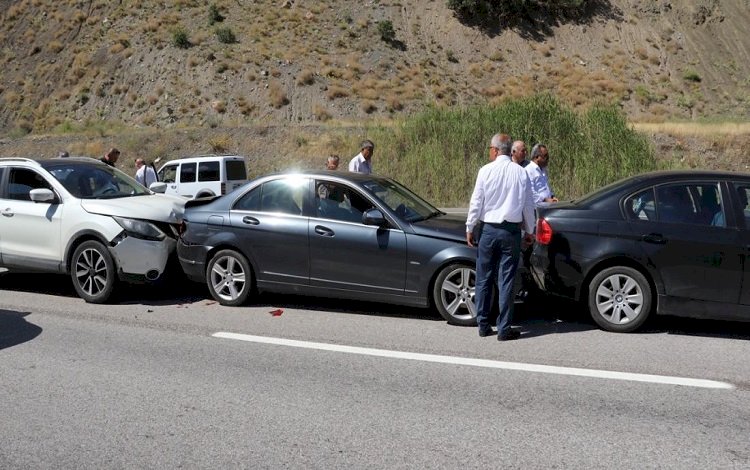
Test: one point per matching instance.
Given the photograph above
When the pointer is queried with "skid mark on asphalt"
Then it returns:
(467, 361)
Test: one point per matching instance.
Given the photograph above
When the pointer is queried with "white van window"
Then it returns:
(236, 170)
(168, 174)
(208, 171)
(187, 173)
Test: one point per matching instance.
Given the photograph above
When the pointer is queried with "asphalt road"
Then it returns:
(175, 380)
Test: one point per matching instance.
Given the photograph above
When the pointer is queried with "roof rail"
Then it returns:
(17, 159)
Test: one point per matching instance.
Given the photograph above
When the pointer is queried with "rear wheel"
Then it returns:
(453, 294)
(229, 277)
(93, 272)
(620, 299)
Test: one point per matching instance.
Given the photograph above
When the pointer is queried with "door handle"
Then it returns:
(324, 231)
(656, 238)
(250, 220)
(8, 212)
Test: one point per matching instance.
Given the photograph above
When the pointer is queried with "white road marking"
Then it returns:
(467, 361)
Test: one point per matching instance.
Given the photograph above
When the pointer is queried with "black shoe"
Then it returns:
(510, 335)
(487, 332)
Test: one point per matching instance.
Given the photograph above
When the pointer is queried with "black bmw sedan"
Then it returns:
(330, 234)
(672, 242)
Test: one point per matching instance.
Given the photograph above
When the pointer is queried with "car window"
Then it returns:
(400, 200)
(339, 202)
(187, 173)
(743, 193)
(641, 205)
(250, 201)
(168, 174)
(284, 195)
(236, 170)
(690, 203)
(208, 171)
(21, 181)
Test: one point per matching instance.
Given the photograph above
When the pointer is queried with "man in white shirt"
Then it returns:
(502, 200)
(537, 171)
(362, 163)
(144, 174)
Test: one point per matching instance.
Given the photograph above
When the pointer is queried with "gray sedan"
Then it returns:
(330, 234)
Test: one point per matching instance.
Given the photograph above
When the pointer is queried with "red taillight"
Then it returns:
(223, 188)
(543, 232)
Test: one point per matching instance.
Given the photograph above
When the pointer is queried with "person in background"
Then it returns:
(537, 171)
(144, 174)
(518, 153)
(362, 163)
(332, 163)
(110, 158)
(503, 138)
(503, 200)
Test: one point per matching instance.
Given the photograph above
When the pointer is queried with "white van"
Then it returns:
(205, 175)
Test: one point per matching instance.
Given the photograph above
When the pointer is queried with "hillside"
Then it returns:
(67, 64)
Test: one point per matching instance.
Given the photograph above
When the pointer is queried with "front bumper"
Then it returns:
(142, 258)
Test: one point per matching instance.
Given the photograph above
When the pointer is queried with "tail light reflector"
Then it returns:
(543, 232)
(223, 188)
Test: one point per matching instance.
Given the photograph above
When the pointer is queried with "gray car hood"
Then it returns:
(448, 227)
(154, 207)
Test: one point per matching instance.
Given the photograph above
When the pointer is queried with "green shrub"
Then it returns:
(386, 31)
(226, 35)
(180, 39)
(438, 152)
(214, 16)
(485, 10)
(691, 76)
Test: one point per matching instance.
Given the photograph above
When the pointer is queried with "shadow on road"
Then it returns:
(698, 327)
(14, 329)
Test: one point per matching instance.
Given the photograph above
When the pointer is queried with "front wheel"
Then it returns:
(229, 277)
(620, 299)
(453, 294)
(93, 272)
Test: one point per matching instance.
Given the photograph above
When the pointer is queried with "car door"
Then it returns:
(31, 231)
(168, 175)
(347, 254)
(676, 227)
(269, 224)
(742, 190)
(187, 180)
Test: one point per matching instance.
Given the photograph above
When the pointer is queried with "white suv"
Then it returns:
(206, 175)
(81, 217)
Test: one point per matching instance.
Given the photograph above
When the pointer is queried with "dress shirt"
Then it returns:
(150, 175)
(502, 193)
(360, 165)
(539, 183)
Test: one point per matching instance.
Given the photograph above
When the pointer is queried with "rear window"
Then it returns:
(208, 171)
(236, 170)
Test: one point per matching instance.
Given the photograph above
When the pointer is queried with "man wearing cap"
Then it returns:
(362, 162)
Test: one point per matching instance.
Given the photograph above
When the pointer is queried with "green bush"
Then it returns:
(214, 16)
(180, 39)
(225, 35)
(439, 151)
(483, 10)
(691, 76)
(386, 31)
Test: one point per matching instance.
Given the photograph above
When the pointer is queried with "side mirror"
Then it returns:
(158, 187)
(374, 217)
(42, 195)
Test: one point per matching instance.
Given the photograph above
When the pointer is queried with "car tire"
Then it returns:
(453, 294)
(620, 299)
(93, 272)
(229, 277)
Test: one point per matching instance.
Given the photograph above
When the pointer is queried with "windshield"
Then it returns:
(401, 200)
(96, 181)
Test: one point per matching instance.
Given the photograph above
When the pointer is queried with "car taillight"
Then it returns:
(223, 188)
(543, 232)
(181, 229)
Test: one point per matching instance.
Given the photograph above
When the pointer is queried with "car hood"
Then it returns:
(449, 227)
(155, 207)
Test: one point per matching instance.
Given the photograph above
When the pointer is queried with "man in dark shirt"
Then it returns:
(110, 158)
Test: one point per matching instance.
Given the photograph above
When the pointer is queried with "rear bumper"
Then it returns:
(193, 260)
(556, 274)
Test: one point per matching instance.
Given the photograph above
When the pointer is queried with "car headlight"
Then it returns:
(140, 228)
